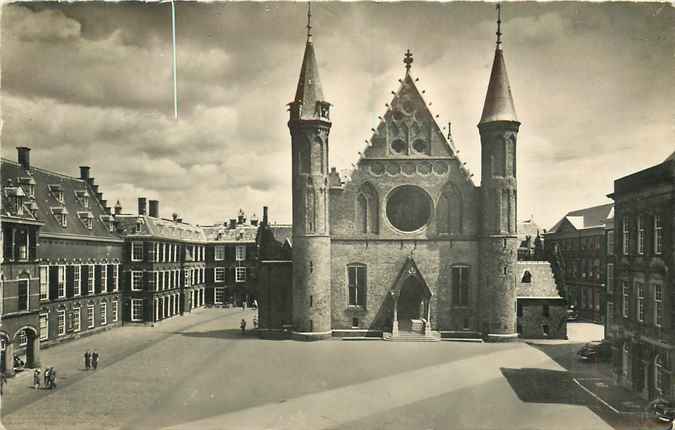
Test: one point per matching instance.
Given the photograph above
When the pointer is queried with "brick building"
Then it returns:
(541, 312)
(73, 275)
(164, 264)
(407, 242)
(580, 240)
(641, 305)
(231, 260)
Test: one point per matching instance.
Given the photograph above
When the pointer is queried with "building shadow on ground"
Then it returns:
(230, 333)
(545, 386)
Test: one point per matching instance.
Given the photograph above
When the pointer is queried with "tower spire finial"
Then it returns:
(499, 25)
(309, 21)
(407, 60)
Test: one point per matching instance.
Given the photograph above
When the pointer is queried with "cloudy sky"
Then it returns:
(90, 84)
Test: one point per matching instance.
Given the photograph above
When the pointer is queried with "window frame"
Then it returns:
(115, 308)
(641, 235)
(60, 322)
(103, 310)
(91, 316)
(61, 281)
(77, 280)
(240, 253)
(77, 317)
(240, 274)
(45, 335)
(460, 292)
(216, 291)
(135, 281)
(640, 301)
(658, 304)
(658, 234)
(91, 279)
(44, 283)
(625, 298)
(134, 245)
(625, 235)
(134, 308)
(219, 253)
(360, 294)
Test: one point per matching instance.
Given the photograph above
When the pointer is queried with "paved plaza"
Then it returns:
(199, 372)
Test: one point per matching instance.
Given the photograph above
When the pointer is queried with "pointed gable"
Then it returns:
(408, 129)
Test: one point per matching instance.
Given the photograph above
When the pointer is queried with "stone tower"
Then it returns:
(498, 129)
(309, 125)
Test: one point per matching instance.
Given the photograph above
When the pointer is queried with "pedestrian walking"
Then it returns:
(94, 360)
(3, 382)
(36, 378)
(45, 377)
(87, 360)
(52, 378)
(243, 326)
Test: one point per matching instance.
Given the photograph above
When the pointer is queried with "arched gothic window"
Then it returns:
(449, 211)
(367, 209)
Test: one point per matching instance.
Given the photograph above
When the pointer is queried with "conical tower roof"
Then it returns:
(498, 100)
(309, 85)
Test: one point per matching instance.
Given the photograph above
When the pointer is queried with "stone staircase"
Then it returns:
(409, 336)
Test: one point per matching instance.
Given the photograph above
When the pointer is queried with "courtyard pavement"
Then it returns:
(199, 372)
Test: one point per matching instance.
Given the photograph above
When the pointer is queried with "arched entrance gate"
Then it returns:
(412, 302)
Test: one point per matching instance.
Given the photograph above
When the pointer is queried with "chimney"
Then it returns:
(254, 220)
(264, 220)
(179, 220)
(241, 219)
(84, 172)
(99, 196)
(154, 208)
(104, 203)
(91, 181)
(141, 205)
(233, 223)
(108, 210)
(118, 208)
(174, 216)
(23, 153)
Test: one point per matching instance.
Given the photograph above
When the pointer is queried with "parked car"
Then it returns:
(596, 351)
(662, 410)
(572, 314)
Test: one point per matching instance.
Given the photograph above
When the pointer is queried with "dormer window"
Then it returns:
(108, 221)
(83, 198)
(28, 185)
(87, 219)
(139, 225)
(57, 192)
(61, 216)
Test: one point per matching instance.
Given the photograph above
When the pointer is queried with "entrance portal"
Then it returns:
(411, 304)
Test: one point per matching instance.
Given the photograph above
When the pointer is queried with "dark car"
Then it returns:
(662, 410)
(596, 351)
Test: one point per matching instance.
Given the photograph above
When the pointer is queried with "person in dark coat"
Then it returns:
(45, 375)
(52, 378)
(36, 379)
(94, 360)
(243, 326)
(87, 360)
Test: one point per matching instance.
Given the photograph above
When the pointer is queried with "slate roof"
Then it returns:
(542, 282)
(309, 85)
(222, 233)
(46, 204)
(159, 228)
(498, 104)
(580, 219)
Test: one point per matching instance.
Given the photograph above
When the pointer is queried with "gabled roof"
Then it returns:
(498, 104)
(580, 219)
(309, 89)
(45, 200)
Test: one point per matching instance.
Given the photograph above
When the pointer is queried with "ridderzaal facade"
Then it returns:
(407, 244)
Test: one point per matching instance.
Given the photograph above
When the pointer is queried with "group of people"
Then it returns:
(49, 377)
(242, 325)
(91, 360)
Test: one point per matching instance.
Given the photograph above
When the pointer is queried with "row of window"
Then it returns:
(72, 276)
(166, 252)
(239, 274)
(584, 269)
(74, 318)
(639, 291)
(661, 369)
(167, 306)
(137, 304)
(219, 252)
(167, 279)
(641, 225)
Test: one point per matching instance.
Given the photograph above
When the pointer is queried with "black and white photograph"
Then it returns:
(337, 215)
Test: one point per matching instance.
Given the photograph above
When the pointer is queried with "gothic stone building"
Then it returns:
(407, 243)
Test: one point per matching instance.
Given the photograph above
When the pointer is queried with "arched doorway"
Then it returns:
(27, 338)
(411, 303)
